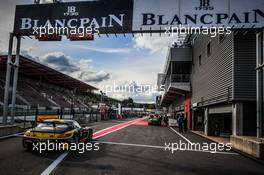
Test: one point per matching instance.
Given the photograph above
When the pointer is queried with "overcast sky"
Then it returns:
(104, 61)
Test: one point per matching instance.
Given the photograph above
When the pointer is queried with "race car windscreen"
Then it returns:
(51, 127)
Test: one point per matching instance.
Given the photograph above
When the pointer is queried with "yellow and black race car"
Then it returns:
(57, 130)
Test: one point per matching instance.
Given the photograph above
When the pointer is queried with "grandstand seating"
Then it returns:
(31, 95)
(2, 87)
(43, 95)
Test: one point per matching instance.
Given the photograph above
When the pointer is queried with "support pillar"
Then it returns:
(7, 81)
(260, 84)
(237, 119)
(16, 65)
(206, 121)
(192, 119)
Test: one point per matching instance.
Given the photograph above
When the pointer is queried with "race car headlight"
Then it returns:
(27, 134)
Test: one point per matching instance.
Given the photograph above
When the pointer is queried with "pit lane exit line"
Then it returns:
(181, 135)
(97, 134)
(114, 128)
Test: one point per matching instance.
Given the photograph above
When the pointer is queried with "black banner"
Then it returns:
(107, 16)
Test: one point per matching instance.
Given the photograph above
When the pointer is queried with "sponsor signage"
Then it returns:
(126, 16)
(173, 122)
(156, 15)
(47, 37)
(109, 16)
(78, 37)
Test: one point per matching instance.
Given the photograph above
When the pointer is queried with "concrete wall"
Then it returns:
(8, 130)
(248, 145)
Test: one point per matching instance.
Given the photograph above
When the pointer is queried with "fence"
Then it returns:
(26, 118)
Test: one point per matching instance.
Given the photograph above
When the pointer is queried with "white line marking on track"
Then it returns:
(181, 135)
(55, 164)
(162, 147)
(218, 152)
(131, 144)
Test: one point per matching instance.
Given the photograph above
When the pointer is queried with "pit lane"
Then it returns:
(130, 150)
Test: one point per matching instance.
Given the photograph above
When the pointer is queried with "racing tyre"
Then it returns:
(75, 139)
(90, 137)
(26, 145)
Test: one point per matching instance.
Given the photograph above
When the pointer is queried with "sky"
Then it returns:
(106, 62)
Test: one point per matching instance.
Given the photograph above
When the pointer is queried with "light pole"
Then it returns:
(102, 96)
(101, 92)
(73, 102)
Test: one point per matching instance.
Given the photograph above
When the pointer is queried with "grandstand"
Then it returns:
(40, 86)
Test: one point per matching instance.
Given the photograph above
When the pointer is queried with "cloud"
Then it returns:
(60, 62)
(154, 43)
(104, 50)
(91, 76)
(81, 70)
(27, 53)
(88, 74)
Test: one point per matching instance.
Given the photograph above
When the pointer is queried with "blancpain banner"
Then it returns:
(157, 14)
(126, 16)
(109, 16)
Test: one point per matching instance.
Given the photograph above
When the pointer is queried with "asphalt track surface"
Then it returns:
(135, 148)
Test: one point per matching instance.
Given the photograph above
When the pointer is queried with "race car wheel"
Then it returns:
(90, 137)
(26, 145)
(75, 139)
